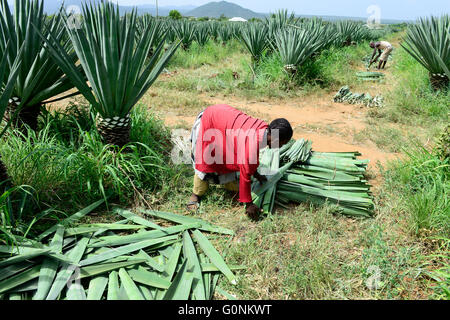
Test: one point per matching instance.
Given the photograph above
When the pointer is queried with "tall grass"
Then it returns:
(421, 184)
(67, 164)
(21, 214)
(337, 64)
(413, 98)
(227, 68)
(422, 180)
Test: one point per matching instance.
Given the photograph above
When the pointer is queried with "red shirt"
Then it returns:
(229, 142)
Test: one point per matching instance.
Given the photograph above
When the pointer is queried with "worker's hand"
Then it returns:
(252, 211)
(262, 179)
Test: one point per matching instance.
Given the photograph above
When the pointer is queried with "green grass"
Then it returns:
(422, 181)
(227, 69)
(306, 252)
(337, 65)
(419, 186)
(67, 165)
(385, 137)
(412, 101)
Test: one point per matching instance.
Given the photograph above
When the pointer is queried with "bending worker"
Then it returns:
(225, 143)
(384, 50)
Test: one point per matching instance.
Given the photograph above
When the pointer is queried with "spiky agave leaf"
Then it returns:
(318, 178)
(428, 41)
(39, 78)
(202, 34)
(7, 80)
(114, 61)
(225, 32)
(6, 89)
(255, 38)
(236, 29)
(214, 29)
(185, 31)
(278, 21)
(295, 46)
(348, 31)
(146, 23)
(316, 26)
(171, 35)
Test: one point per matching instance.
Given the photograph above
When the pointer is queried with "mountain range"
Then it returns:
(53, 6)
(227, 9)
(212, 10)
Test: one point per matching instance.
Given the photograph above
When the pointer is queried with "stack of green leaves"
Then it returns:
(132, 259)
(370, 76)
(292, 152)
(345, 95)
(316, 177)
(269, 162)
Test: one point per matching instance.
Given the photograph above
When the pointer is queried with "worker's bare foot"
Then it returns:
(194, 203)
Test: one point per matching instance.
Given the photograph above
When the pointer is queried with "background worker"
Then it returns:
(384, 50)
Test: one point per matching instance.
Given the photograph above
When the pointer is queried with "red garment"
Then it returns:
(223, 129)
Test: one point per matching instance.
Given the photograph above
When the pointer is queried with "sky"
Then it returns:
(389, 9)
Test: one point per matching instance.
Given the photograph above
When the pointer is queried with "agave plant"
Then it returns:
(171, 35)
(214, 29)
(225, 33)
(278, 21)
(147, 22)
(236, 28)
(317, 28)
(115, 63)
(202, 34)
(428, 42)
(39, 77)
(7, 87)
(185, 31)
(295, 46)
(348, 31)
(255, 38)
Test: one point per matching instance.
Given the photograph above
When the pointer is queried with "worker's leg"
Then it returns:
(232, 186)
(200, 186)
(384, 57)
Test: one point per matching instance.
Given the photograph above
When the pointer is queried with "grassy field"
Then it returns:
(311, 253)
(306, 252)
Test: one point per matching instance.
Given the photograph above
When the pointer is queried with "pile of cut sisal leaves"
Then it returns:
(298, 174)
(345, 95)
(132, 259)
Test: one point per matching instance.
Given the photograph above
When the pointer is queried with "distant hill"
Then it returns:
(230, 10)
(162, 11)
(212, 9)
